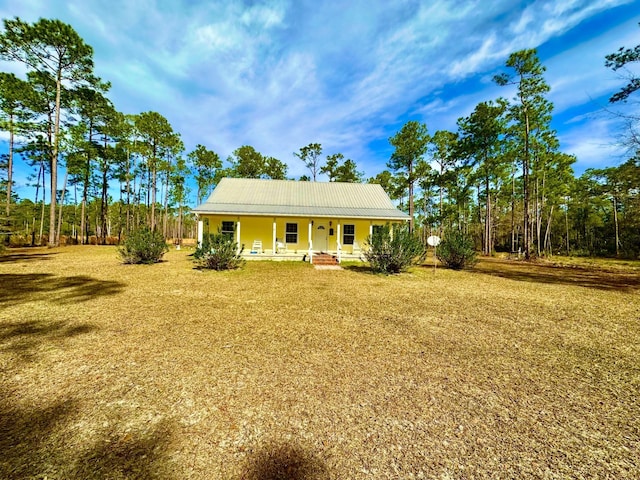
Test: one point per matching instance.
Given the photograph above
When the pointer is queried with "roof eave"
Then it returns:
(200, 211)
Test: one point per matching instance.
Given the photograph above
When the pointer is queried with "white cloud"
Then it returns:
(488, 52)
(578, 76)
(594, 144)
(265, 16)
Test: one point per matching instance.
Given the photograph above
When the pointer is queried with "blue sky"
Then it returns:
(280, 74)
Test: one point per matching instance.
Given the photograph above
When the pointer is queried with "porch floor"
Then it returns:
(300, 256)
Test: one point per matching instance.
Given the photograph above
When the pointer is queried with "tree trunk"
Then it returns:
(104, 202)
(180, 224)
(64, 189)
(148, 187)
(154, 172)
(137, 200)
(615, 219)
(525, 180)
(54, 163)
(128, 187)
(547, 233)
(487, 222)
(538, 209)
(84, 230)
(75, 212)
(35, 205)
(166, 207)
(543, 201)
(153, 198)
(104, 197)
(10, 166)
(44, 195)
(566, 223)
(411, 180)
(441, 214)
(84, 227)
(513, 211)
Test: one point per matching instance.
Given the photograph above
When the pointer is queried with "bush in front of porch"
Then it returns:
(219, 252)
(394, 250)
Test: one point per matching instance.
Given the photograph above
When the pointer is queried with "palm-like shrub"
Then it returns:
(143, 246)
(394, 251)
(457, 250)
(219, 252)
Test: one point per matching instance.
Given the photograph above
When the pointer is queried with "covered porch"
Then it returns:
(292, 238)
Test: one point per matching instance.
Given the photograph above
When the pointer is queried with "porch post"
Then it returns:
(310, 241)
(238, 235)
(339, 242)
(274, 238)
(200, 232)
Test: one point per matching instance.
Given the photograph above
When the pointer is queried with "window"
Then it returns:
(291, 233)
(375, 229)
(349, 235)
(228, 228)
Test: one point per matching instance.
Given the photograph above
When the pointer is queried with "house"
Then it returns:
(286, 218)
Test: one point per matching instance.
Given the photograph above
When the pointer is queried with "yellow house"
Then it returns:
(291, 219)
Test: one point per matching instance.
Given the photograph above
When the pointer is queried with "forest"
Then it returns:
(98, 173)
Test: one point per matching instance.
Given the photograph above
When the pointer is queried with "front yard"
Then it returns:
(283, 371)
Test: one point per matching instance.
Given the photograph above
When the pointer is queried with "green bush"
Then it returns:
(219, 252)
(394, 250)
(457, 250)
(143, 246)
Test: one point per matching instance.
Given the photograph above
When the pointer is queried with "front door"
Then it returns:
(320, 238)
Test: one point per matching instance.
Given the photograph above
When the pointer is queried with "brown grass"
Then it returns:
(282, 371)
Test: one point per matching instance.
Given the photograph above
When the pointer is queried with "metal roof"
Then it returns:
(246, 196)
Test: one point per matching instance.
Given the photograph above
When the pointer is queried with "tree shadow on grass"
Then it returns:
(364, 268)
(551, 274)
(39, 433)
(24, 338)
(35, 443)
(18, 288)
(24, 449)
(126, 455)
(283, 461)
(25, 257)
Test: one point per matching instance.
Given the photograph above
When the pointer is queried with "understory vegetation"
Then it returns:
(394, 250)
(143, 246)
(457, 250)
(219, 252)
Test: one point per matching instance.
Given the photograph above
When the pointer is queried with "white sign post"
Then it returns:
(434, 241)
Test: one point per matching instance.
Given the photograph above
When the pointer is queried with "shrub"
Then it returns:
(219, 252)
(457, 250)
(394, 250)
(143, 246)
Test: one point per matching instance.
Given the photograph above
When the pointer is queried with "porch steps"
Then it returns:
(324, 259)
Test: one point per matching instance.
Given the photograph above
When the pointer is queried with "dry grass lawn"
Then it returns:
(282, 371)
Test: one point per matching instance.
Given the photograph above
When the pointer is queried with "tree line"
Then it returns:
(500, 176)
